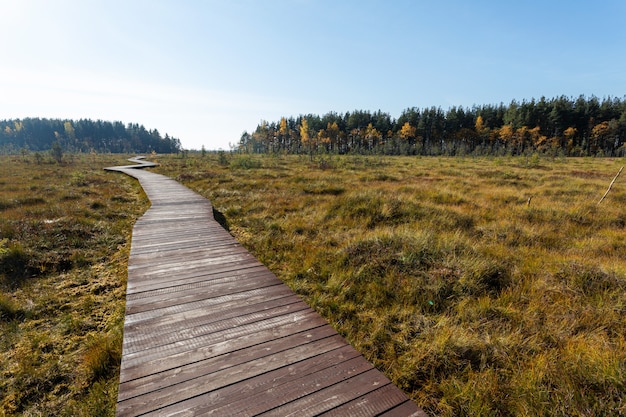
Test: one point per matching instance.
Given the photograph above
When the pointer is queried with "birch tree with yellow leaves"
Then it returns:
(305, 137)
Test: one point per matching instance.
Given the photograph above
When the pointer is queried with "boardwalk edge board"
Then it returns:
(210, 330)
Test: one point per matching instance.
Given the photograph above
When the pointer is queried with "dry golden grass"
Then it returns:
(480, 286)
(472, 299)
(64, 242)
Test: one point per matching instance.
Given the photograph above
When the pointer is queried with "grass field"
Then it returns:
(64, 243)
(490, 287)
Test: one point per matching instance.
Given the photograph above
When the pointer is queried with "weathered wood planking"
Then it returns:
(211, 331)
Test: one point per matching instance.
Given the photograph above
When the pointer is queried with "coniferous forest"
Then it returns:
(35, 134)
(560, 126)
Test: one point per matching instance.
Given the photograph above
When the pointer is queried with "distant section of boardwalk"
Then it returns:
(211, 331)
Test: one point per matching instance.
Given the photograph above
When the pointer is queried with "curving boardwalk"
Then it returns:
(209, 330)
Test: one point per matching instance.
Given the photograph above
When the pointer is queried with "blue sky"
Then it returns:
(205, 71)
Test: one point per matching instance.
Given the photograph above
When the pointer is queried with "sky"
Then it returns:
(205, 71)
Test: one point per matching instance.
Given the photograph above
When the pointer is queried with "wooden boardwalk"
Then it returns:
(209, 330)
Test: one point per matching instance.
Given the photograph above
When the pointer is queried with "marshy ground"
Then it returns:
(481, 286)
(488, 286)
(64, 233)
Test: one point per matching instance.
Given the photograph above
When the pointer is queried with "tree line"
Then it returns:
(560, 126)
(35, 134)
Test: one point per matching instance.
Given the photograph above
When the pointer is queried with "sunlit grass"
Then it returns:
(479, 286)
(64, 233)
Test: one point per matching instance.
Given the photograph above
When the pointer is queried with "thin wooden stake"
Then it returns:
(611, 185)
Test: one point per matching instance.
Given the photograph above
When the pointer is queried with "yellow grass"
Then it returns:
(64, 239)
(480, 286)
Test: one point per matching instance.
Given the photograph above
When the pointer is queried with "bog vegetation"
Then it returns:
(64, 242)
(481, 286)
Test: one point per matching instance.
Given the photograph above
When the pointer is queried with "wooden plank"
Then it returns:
(202, 297)
(329, 397)
(406, 409)
(189, 276)
(232, 339)
(271, 389)
(174, 395)
(167, 269)
(209, 330)
(221, 359)
(203, 335)
(186, 317)
(206, 325)
(202, 283)
(378, 401)
(220, 286)
(198, 317)
(188, 265)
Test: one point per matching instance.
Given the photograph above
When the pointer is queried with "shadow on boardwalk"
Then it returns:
(210, 330)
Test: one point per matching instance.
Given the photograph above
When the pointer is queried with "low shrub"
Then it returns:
(102, 356)
(8, 309)
(245, 162)
(16, 265)
(483, 275)
(376, 209)
(590, 279)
